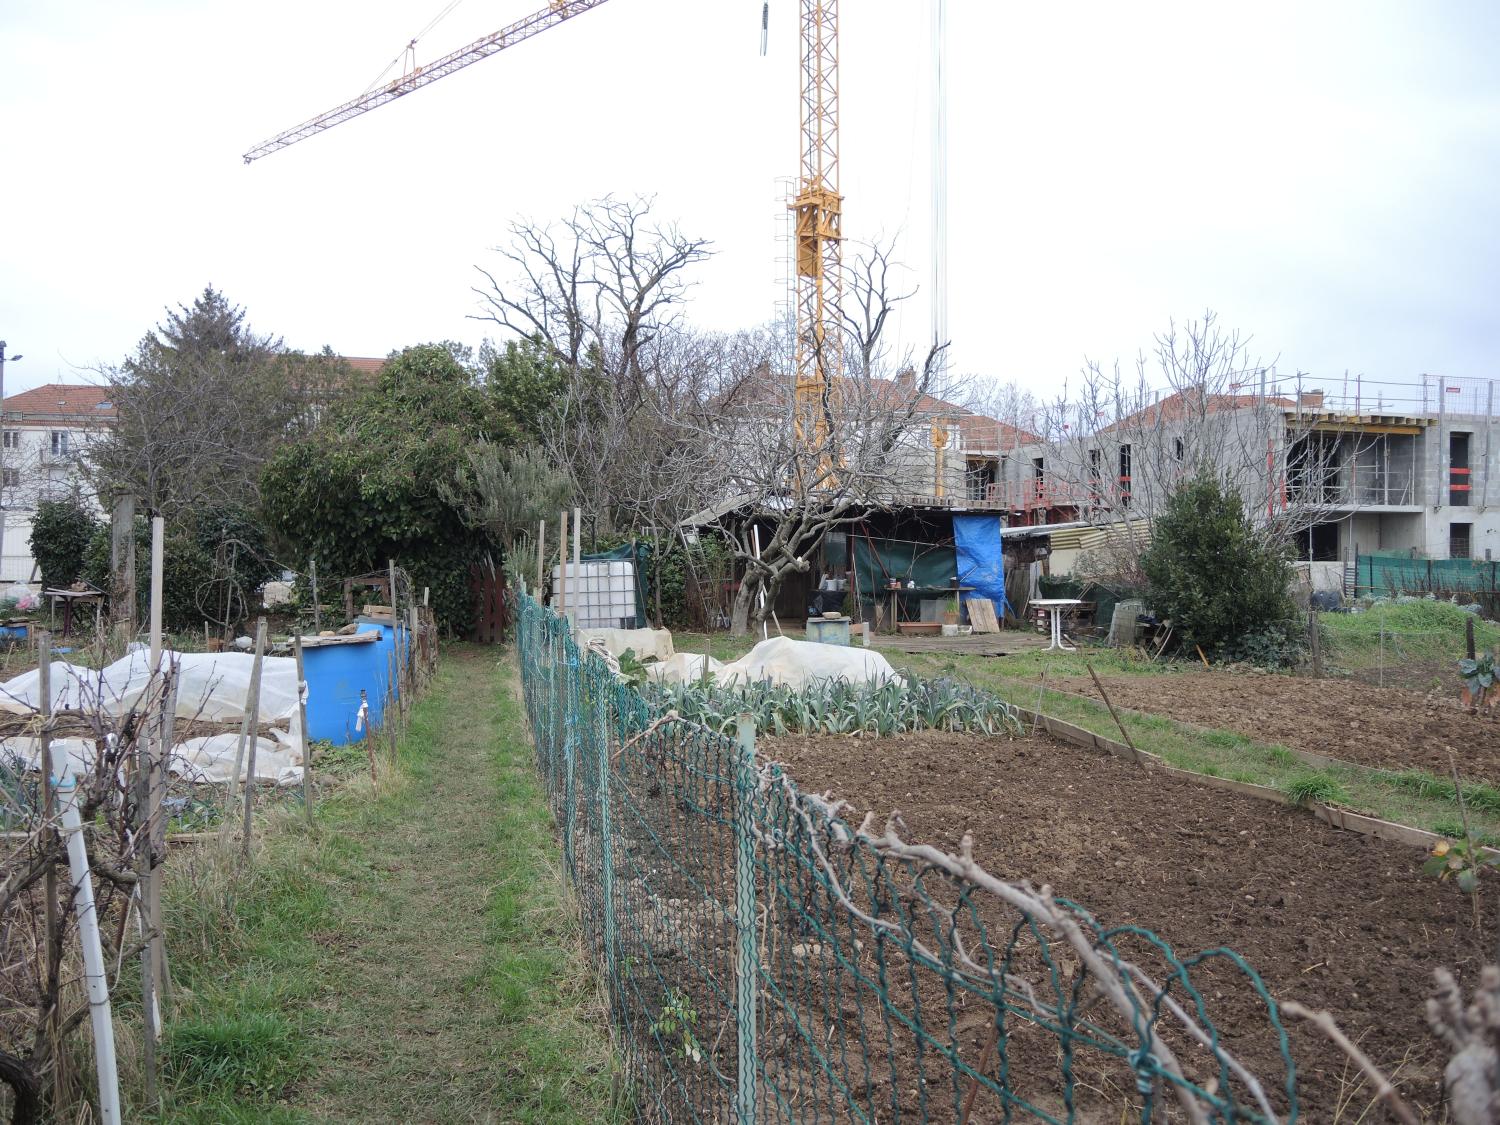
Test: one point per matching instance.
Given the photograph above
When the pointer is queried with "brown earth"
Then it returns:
(1385, 727)
(1330, 918)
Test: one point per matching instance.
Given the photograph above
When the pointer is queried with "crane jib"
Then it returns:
(555, 13)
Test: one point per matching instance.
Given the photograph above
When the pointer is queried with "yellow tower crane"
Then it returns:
(817, 207)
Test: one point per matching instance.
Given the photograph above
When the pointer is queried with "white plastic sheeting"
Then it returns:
(213, 686)
(800, 663)
(682, 667)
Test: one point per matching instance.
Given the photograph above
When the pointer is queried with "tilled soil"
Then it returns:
(1333, 919)
(1385, 727)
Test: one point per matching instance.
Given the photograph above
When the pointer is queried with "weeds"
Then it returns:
(1314, 786)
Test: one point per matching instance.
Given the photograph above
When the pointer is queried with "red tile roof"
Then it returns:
(364, 364)
(980, 432)
(62, 400)
(1182, 405)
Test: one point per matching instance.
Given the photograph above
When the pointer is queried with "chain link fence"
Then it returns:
(767, 961)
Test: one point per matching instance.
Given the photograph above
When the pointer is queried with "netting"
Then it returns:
(767, 961)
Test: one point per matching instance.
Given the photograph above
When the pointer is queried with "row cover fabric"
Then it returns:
(799, 664)
(683, 667)
(213, 686)
(981, 559)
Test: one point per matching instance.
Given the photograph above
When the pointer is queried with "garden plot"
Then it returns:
(1384, 727)
(1329, 918)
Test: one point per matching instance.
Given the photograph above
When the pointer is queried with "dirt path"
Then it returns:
(460, 996)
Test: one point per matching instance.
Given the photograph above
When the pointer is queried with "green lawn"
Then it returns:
(415, 957)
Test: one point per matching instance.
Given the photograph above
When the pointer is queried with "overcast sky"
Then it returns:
(1322, 175)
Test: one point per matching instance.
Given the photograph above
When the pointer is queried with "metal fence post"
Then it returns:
(747, 964)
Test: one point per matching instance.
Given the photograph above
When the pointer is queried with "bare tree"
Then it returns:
(603, 291)
(1116, 448)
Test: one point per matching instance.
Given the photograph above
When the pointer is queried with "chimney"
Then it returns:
(906, 378)
(1310, 400)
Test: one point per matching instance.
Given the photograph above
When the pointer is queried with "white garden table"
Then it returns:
(1056, 606)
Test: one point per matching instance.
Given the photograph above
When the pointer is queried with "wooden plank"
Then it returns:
(982, 615)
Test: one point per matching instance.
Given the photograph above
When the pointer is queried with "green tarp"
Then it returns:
(877, 561)
(640, 555)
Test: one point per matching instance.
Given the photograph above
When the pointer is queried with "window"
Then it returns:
(12, 439)
(1124, 474)
(1038, 478)
(1459, 485)
(10, 478)
(1460, 540)
(1179, 449)
(59, 445)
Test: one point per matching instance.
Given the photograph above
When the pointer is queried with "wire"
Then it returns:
(412, 42)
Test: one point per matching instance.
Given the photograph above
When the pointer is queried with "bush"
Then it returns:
(61, 532)
(1224, 583)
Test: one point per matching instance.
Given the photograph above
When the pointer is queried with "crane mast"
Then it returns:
(817, 206)
(555, 13)
(818, 226)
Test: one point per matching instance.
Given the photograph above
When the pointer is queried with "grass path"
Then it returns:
(423, 954)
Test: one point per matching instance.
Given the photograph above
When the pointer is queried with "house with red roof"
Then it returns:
(46, 433)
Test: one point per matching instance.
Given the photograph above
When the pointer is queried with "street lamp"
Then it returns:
(3, 432)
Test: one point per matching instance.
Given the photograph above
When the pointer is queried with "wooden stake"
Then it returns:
(49, 807)
(562, 565)
(1469, 636)
(253, 721)
(1112, 713)
(307, 795)
(316, 605)
(156, 773)
(577, 560)
(1203, 658)
(1315, 643)
(984, 1064)
(541, 554)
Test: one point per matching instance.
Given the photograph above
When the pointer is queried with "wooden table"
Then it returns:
(894, 595)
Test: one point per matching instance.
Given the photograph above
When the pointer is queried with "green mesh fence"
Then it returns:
(768, 962)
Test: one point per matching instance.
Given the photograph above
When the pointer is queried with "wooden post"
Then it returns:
(252, 722)
(1113, 714)
(317, 606)
(541, 555)
(397, 685)
(577, 557)
(1314, 643)
(1469, 636)
(562, 565)
(49, 809)
(412, 663)
(307, 794)
(122, 605)
(156, 764)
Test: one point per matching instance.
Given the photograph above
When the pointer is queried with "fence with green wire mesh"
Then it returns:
(766, 961)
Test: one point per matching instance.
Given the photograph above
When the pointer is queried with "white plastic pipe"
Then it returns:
(88, 938)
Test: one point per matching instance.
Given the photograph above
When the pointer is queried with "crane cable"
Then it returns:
(409, 49)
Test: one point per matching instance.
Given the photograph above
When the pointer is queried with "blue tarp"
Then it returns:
(980, 563)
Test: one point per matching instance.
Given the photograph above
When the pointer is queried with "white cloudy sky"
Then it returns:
(1323, 175)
